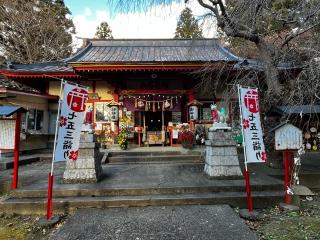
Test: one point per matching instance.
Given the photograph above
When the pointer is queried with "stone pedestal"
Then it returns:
(87, 168)
(221, 155)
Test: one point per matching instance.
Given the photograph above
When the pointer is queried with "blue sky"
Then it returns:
(158, 21)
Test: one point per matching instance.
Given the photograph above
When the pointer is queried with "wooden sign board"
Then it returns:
(7, 127)
(288, 137)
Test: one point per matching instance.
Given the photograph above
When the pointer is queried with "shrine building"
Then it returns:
(148, 85)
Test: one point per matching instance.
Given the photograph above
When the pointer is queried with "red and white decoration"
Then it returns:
(71, 117)
(251, 124)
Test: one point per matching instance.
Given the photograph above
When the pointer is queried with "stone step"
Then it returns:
(231, 186)
(154, 158)
(26, 206)
(7, 162)
(152, 153)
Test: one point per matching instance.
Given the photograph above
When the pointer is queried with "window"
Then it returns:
(33, 121)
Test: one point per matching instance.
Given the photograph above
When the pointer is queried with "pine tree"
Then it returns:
(35, 31)
(187, 26)
(104, 31)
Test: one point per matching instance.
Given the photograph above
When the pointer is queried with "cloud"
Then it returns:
(158, 21)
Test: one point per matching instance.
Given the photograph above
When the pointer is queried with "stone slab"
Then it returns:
(222, 160)
(214, 143)
(88, 138)
(161, 223)
(89, 145)
(81, 176)
(221, 150)
(223, 171)
(217, 135)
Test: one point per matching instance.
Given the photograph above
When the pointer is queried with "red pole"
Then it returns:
(249, 199)
(286, 176)
(171, 137)
(49, 204)
(139, 137)
(16, 151)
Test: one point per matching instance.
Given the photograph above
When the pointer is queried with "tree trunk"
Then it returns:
(270, 70)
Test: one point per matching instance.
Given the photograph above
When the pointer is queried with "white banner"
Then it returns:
(251, 124)
(70, 122)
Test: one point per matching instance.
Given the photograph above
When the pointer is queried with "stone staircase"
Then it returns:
(144, 178)
(136, 157)
(68, 200)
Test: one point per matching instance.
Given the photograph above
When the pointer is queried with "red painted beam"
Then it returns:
(14, 74)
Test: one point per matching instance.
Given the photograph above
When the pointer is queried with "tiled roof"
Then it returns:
(137, 51)
(153, 51)
(41, 67)
(13, 85)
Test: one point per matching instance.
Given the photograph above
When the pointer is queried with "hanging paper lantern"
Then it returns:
(193, 113)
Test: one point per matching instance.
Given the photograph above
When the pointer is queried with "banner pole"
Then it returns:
(50, 177)
(247, 173)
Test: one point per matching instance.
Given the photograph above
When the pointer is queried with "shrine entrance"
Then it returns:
(155, 120)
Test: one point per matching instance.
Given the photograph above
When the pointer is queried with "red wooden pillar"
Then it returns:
(286, 156)
(16, 150)
(93, 106)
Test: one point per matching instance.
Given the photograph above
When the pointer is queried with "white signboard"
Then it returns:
(7, 127)
(288, 137)
(251, 124)
(70, 121)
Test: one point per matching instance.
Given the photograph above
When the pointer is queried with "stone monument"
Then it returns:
(221, 150)
(87, 168)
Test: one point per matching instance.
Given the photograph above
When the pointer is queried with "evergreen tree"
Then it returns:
(104, 31)
(35, 31)
(187, 26)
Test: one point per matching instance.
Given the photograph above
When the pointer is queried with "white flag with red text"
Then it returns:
(72, 113)
(251, 124)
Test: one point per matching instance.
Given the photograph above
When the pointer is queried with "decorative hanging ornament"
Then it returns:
(140, 104)
(154, 107)
(166, 104)
(135, 102)
(146, 107)
(307, 135)
(313, 130)
(171, 104)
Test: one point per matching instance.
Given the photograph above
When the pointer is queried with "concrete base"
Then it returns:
(43, 222)
(252, 216)
(289, 207)
(87, 168)
(221, 155)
